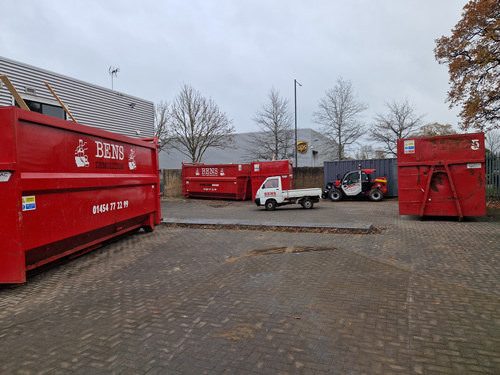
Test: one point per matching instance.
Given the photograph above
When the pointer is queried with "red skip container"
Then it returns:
(66, 188)
(264, 169)
(220, 181)
(442, 176)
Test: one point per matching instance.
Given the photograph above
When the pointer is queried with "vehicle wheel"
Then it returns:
(376, 195)
(270, 205)
(335, 195)
(307, 203)
(148, 228)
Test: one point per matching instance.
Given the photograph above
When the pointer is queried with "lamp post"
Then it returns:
(295, 96)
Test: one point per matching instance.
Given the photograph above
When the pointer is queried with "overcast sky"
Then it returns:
(235, 51)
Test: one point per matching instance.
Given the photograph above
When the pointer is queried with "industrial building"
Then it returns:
(90, 104)
(314, 150)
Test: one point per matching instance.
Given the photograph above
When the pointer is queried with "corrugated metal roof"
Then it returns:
(90, 104)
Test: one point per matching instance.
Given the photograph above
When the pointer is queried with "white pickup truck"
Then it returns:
(271, 195)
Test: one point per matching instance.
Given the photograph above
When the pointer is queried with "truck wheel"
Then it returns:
(376, 195)
(307, 203)
(335, 195)
(270, 205)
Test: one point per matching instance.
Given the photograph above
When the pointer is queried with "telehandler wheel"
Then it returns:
(335, 195)
(307, 203)
(270, 205)
(376, 195)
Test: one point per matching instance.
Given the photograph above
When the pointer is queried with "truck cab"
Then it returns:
(271, 195)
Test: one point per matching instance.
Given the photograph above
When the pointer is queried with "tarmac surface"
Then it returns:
(412, 297)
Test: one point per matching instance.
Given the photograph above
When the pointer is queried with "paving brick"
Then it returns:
(421, 296)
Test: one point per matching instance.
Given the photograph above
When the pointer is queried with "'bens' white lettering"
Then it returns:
(209, 171)
(109, 151)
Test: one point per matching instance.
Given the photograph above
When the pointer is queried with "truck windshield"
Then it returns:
(271, 184)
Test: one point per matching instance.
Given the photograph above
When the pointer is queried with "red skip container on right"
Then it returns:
(442, 176)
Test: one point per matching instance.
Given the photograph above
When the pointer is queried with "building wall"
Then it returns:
(308, 177)
(171, 182)
(90, 104)
(319, 149)
(240, 153)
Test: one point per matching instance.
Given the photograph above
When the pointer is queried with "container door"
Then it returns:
(351, 183)
(11, 250)
(12, 268)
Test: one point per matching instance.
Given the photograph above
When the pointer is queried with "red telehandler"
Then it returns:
(356, 184)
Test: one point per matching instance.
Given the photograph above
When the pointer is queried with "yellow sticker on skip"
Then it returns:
(29, 203)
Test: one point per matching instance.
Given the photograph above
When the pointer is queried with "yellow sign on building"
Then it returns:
(302, 147)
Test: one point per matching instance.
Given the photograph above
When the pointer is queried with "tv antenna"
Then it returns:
(113, 72)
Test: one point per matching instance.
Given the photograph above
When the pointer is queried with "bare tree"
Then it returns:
(400, 122)
(367, 152)
(434, 129)
(492, 139)
(275, 121)
(339, 113)
(197, 123)
(162, 122)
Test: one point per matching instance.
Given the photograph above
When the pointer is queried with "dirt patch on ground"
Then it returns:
(373, 230)
(494, 205)
(240, 331)
(279, 250)
(493, 210)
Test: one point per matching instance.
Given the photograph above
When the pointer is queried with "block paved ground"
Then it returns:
(421, 297)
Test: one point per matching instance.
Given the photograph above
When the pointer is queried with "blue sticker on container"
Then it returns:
(29, 203)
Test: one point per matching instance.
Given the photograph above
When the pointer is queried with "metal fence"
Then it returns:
(385, 168)
(492, 170)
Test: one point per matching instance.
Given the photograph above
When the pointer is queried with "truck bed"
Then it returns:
(297, 193)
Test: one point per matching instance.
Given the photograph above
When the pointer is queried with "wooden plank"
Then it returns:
(14, 92)
(60, 102)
